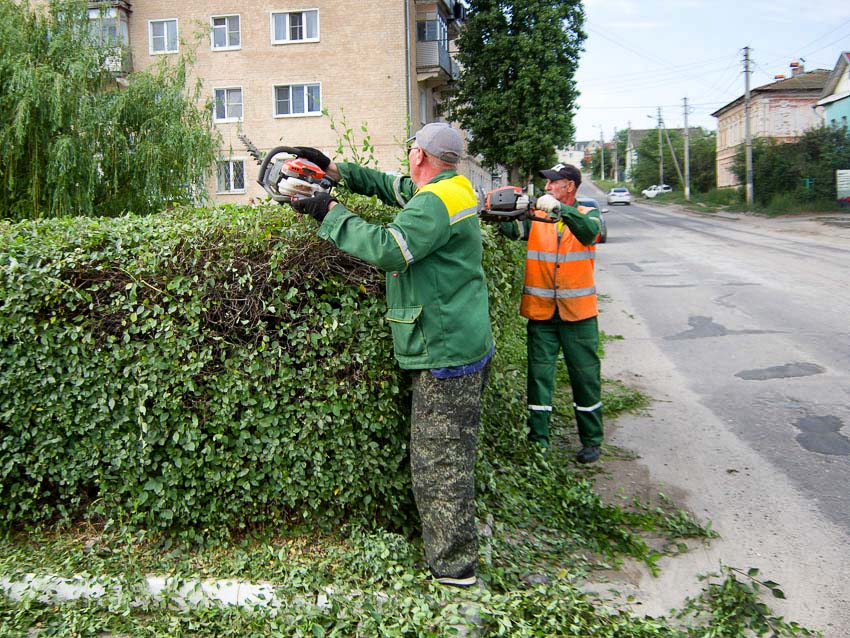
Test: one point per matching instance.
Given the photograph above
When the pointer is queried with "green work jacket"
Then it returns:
(436, 289)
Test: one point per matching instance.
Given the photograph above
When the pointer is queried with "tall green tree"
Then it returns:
(72, 142)
(516, 93)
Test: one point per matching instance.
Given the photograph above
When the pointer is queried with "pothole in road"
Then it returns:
(822, 434)
(702, 327)
(781, 372)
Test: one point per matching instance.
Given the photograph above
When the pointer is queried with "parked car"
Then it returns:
(619, 195)
(654, 190)
(603, 232)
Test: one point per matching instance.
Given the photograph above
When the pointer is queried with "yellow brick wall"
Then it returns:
(360, 61)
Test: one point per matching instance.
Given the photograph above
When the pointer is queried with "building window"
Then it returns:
(297, 99)
(230, 176)
(295, 26)
(432, 31)
(228, 105)
(108, 26)
(225, 32)
(163, 36)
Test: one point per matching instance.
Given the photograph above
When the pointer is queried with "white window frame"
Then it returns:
(228, 117)
(304, 86)
(229, 188)
(287, 39)
(165, 51)
(228, 46)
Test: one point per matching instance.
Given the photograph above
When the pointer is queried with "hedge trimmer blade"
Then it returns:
(253, 151)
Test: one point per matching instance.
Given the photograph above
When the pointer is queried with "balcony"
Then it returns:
(119, 62)
(434, 64)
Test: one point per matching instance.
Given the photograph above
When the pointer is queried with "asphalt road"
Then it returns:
(738, 328)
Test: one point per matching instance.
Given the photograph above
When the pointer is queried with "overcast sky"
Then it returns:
(644, 54)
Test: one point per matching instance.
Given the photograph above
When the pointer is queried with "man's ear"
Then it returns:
(421, 158)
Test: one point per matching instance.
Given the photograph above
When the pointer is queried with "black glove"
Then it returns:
(316, 207)
(314, 155)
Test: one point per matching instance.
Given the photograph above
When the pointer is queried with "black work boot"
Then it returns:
(588, 454)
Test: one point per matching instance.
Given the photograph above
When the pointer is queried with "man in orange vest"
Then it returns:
(559, 301)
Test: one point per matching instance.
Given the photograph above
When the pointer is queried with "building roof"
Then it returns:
(811, 82)
(832, 81)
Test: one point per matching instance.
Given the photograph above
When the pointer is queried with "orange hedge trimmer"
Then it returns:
(285, 176)
(509, 203)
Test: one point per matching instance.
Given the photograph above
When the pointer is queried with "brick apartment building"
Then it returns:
(271, 68)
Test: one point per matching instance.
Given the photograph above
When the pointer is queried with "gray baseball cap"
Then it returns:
(440, 140)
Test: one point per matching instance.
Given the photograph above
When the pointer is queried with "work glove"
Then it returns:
(313, 155)
(548, 204)
(316, 207)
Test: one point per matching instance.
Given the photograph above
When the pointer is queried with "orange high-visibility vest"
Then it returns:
(558, 273)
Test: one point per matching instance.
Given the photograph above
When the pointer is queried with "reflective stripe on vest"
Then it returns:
(558, 274)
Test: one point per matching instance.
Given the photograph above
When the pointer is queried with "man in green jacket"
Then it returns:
(437, 307)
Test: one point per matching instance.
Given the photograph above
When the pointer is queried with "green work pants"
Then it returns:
(579, 342)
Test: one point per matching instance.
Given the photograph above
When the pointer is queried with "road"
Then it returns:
(737, 328)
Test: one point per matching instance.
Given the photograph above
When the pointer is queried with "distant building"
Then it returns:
(781, 110)
(573, 154)
(271, 69)
(834, 100)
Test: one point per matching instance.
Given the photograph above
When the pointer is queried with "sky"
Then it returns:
(644, 54)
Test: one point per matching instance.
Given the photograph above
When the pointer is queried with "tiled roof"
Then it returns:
(808, 82)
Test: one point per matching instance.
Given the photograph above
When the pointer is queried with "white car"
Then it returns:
(654, 190)
(619, 195)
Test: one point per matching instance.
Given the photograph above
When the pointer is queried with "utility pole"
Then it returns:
(687, 155)
(747, 135)
(616, 158)
(660, 152)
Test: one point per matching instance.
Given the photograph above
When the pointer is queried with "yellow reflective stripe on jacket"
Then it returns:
(457, 194)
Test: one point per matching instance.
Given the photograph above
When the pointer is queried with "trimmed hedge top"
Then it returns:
(194, 369)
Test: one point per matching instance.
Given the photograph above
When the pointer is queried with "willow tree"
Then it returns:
(75, 142)
(516, 92)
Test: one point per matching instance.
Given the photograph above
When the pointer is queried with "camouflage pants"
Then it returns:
(443, 437)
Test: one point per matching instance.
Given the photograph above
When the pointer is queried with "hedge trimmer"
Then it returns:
(509, 203)
(285, 176)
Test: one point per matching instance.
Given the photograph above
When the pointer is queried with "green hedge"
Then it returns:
(201, 370)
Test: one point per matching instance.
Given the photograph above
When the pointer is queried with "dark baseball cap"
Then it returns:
(562, 171)
(440, 140)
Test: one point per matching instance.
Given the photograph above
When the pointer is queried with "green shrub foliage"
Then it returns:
(201, 370)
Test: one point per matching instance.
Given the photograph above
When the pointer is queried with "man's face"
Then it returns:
(564, 190)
